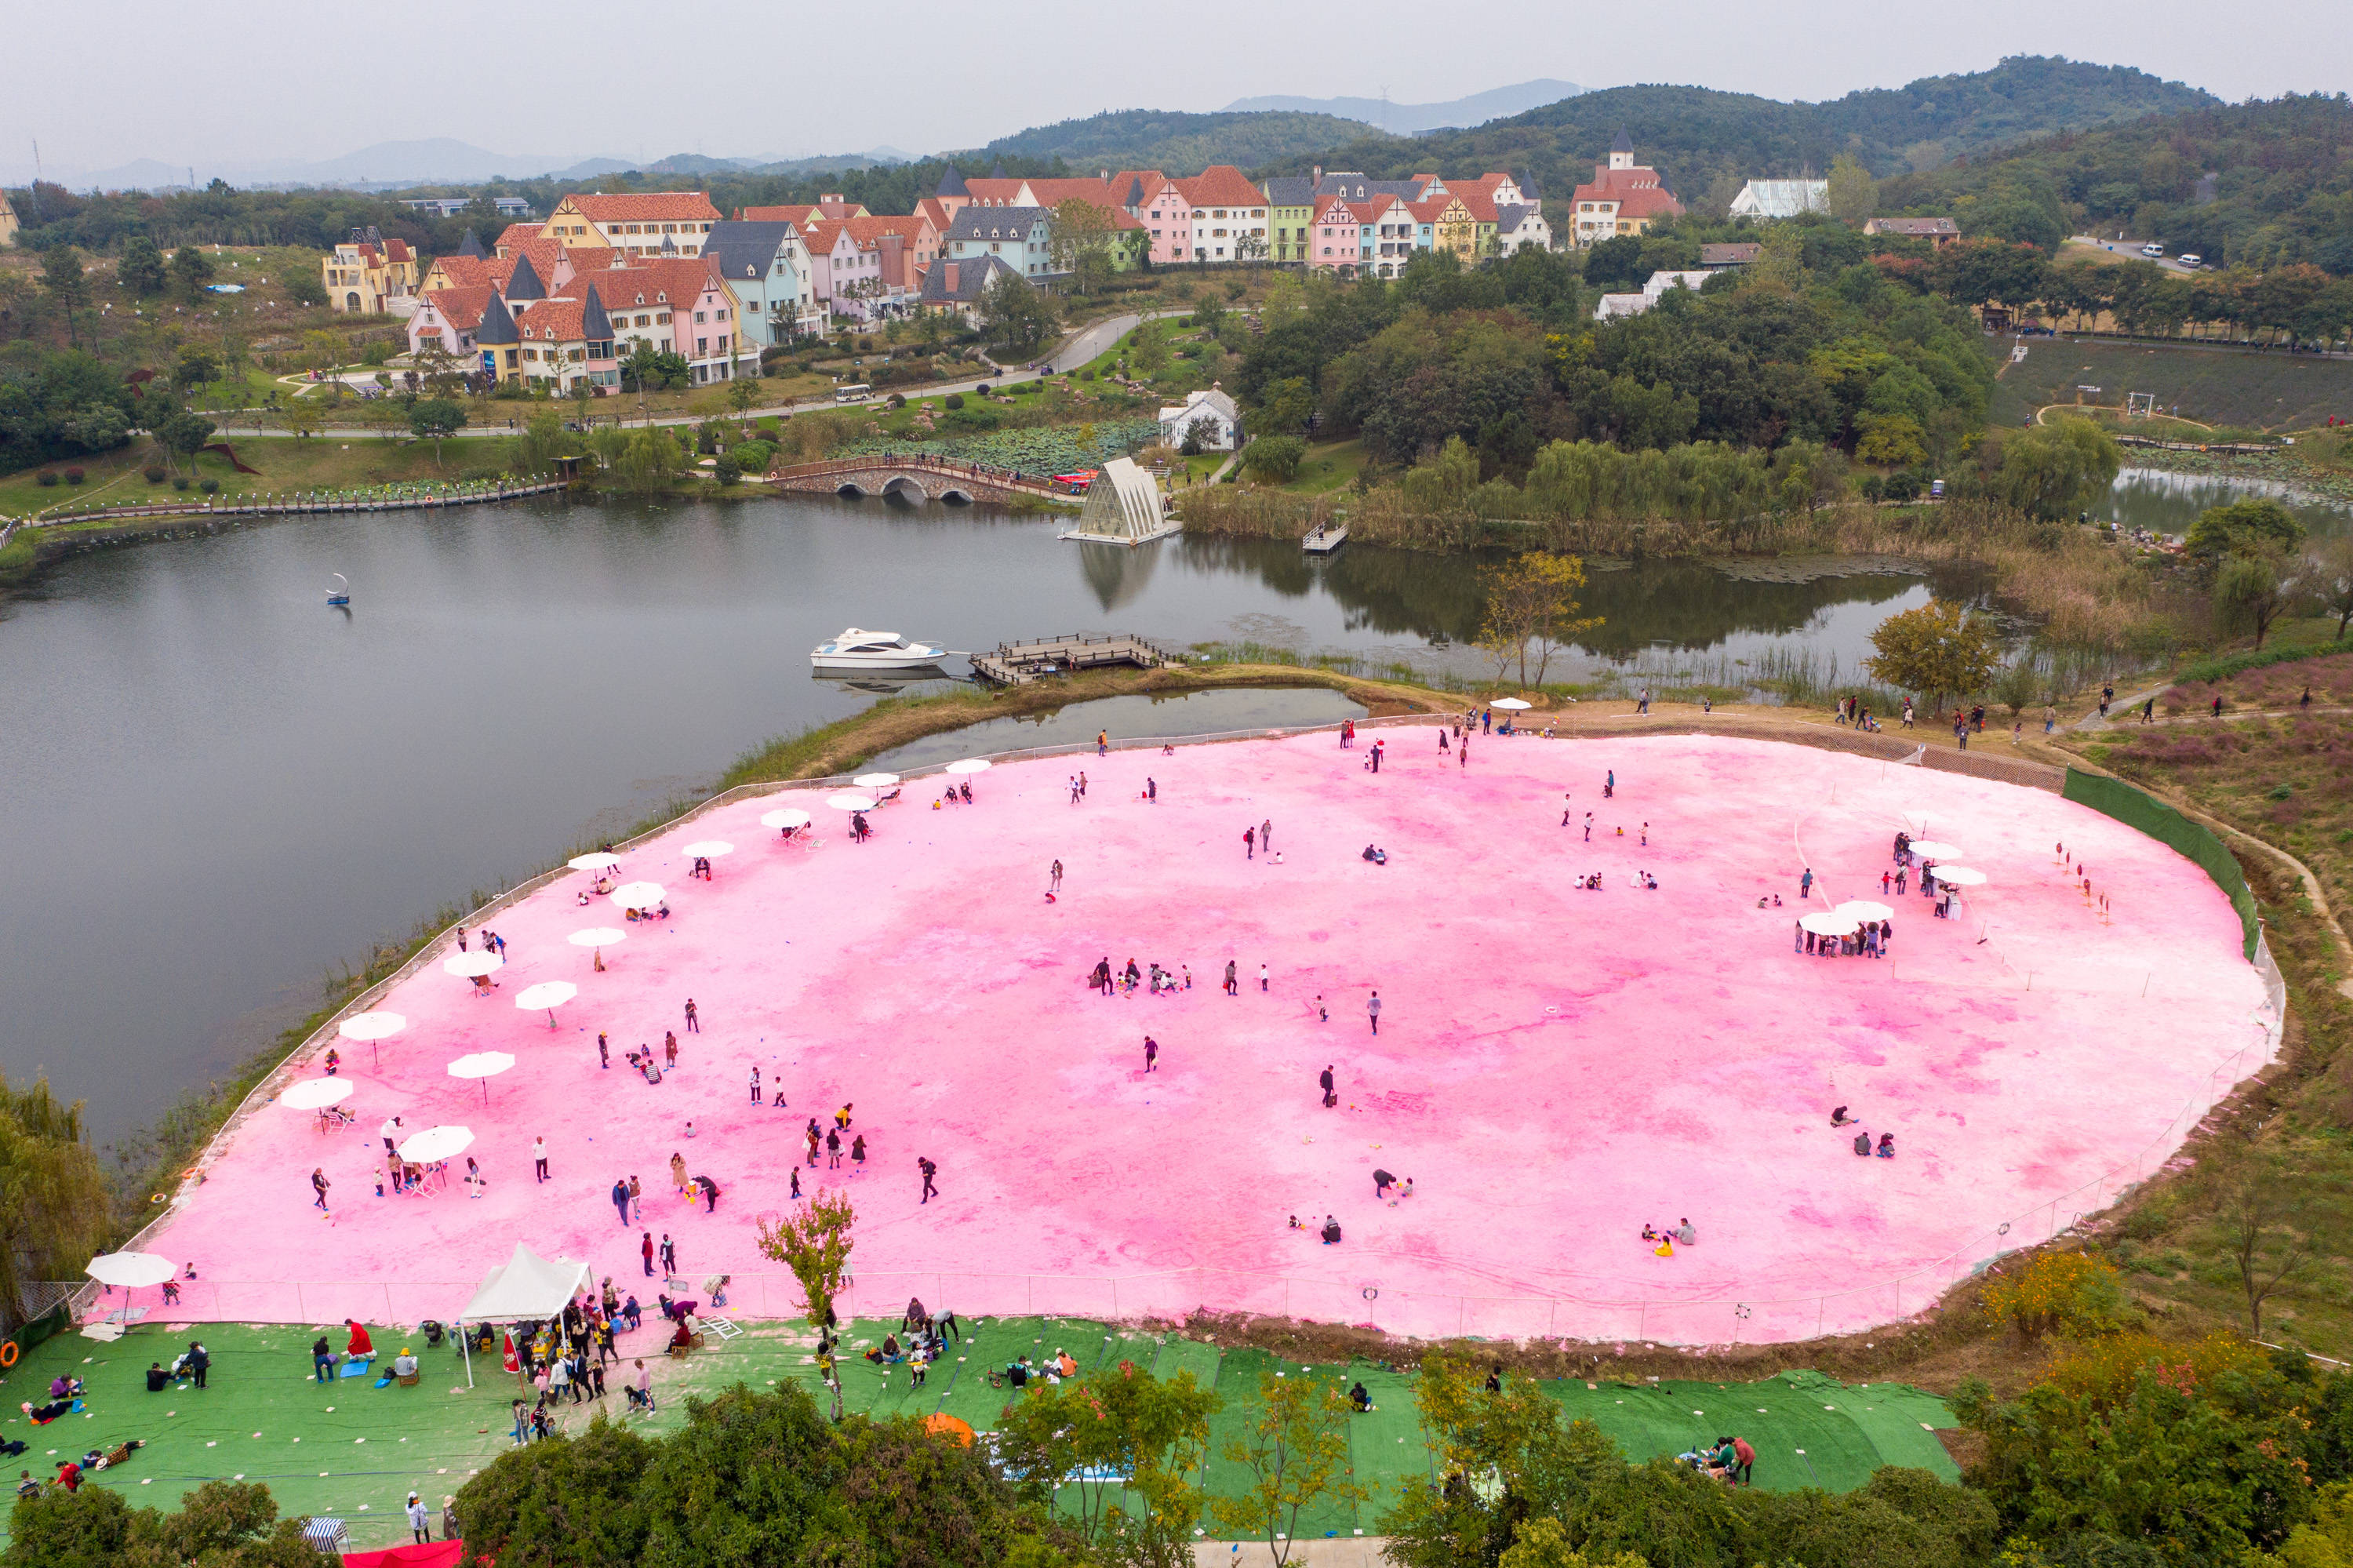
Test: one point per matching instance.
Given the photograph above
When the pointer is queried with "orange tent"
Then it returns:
(948, 1425)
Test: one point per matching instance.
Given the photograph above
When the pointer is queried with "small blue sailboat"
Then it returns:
(341, 594)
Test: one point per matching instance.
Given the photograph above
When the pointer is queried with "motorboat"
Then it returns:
(857, 650)
(341, 594)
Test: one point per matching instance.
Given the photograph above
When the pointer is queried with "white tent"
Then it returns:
(525, 1285)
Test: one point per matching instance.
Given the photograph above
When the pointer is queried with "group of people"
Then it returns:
(1871, 939)
(1856, 712)
(1663, 1241)
(1864, 1147)
(1731, 1460)
(1102, 978)
(955, 794)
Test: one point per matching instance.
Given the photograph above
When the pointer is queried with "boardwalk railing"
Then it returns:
(917, 462)
(294, 504)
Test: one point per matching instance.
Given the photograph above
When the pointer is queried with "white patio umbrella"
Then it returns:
(970, 765)
(636, 895)
(1961, 876)
(600, 860)
(709, 849)
(1825, 923)
(436, 1143)
(481, 1065)
(785, 820)
(1514, 704)
(850, 801)
(129, 1270)
(1864, 909)
(598, 937)
(472, 966)
(875, 780)
(1931, 849)
(547, 996)
(371, 1027)
(316, 1094)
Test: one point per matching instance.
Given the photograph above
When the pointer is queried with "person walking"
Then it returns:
(319, 1184)
(928, 1169)
(420, 1530)
(1102, 743)
(1266, 835)
(539, 1159)
(1249, 842)
(199, 1361)
(669, 1254)
(669, 1049)
(645, 1245)
(756, 1083)
(1373, 1009)
(636, 1200)
(603, 1050)
(1324, 1081)
(833, 1149)
(1462, 753)
(857, 1153)
(693, 1019)
(1262, 976)
(1233, 987)
(1151, 1052)
(1806, 884)
(621, 1202)
(1054, 879)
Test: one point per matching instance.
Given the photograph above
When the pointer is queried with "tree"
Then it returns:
(1077, 233)
(1296, 1454)
(1016, 314)
(568, 1501)
(1209, 313)
(67, 284)
(649, 370)
(1854, 195)
(140, 269)
(191, 271)
(1198, 435)
(195, 367)
(1274, 458)
(1541, 1543)
(1136, 1445)
(184, 435)
(442, 372)
(745, 391)
(2330, 572)
(2253, 588)
(436, 420)
(543, 439)
(2058, 468)
(1533, 600)
(53, 1209)
(1937, 649)
(815, 1243)
(1148, 351)
(2243, 526)
(1283, 409)
(2262, 1235)
(303, 415)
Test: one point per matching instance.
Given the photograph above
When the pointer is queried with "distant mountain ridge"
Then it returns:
(1172, 143)
(1414, 119)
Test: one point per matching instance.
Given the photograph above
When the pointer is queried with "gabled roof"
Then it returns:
(962, 283)
(1222, 185)
(471, 246)
(461, 307)
(1054, 193)
(995, 191)
(1508, 219)
(498, 325)
(950, 184)
(799, 216)
(867, 230)
(466, 271)
(933, 209)
(743, 251)
(1136, 185)
(1333, 209)
(1479, 204)
(1292, 190)
(555, 321)
(515, 234)
(995, 223)
(658, 206)
(1637, 192)
(525, 282)
(665, 283)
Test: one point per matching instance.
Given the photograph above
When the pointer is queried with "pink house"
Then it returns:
(1334, 238)
(1168, 216)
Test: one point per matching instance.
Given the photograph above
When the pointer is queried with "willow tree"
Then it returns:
(1533, 600)
(55, 1211)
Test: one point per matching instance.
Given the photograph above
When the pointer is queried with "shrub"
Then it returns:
(898, 400)
(73, 476)
(47, 478)
(1088, 374)
(727, 470)
(210, 487)
(954, 401)
(981, 390)
(152, 474)
(179, 481)
(1274, 458)
(2072, 1292)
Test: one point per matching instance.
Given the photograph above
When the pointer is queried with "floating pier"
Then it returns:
(1019, 663)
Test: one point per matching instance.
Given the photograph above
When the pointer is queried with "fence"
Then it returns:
(1719, 1320)
(2136, 808)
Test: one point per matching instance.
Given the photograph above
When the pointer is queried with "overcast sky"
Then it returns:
(103, 82)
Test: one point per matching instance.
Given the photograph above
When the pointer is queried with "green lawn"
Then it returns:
(334, 459)
(2269, 391)
(1327, 467)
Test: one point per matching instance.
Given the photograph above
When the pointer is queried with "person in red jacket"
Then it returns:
(69, 1475)
(1746, 1468)
(360, 1345)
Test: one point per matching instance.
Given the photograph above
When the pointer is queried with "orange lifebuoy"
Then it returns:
(7, 1353)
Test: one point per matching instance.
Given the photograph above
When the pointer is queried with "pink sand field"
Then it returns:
(1553, 1066)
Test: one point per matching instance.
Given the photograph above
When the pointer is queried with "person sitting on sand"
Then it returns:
(1862, 1145)
(1887, 1146)
(1331, 1231)
(1839, 1118)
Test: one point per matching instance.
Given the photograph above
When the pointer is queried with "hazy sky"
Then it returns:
(268, 79)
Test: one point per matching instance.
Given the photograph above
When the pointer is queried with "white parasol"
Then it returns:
(708, 849)
(636, 895)
(971, 765)
(472, 966)
(598, 937)
(547, 996)
(1514, 704)
(1864, 909)
(129, 1270)
(848, 801)
(371, 1025)
(436, 1143)
(1826, 923)
(875, 780)
(1930, 849)
(316, 1094)
(600, 860)
(481, 1065)
(1958, 875)
(785, 819)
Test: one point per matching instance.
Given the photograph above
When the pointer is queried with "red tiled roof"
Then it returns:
(398, 250)
(1479, 204)
(461, 307)
(994, 193)
(1054, 193)
(1636, 191)
(935, 212)
(554, 321)
(865, 229)
(1430, 210)
(666, 284)
(1333, 209)
(1222, 185)
(464, 272)
(658, 206)
(516, 234)
(799, 217)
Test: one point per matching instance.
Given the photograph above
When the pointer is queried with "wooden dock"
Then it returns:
(1019, 663)
(1324, 540)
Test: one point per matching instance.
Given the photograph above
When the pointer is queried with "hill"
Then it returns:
(1414, 119)
(1706, 142)
(2258, 183)
(1171, 143)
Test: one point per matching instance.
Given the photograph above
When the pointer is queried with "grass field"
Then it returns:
(353, 1451)
(2267, 391)
(1327, 467)
(334, 461)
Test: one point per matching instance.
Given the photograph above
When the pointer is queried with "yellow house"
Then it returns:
(1452, 224)
(659, 223)
(367, 273)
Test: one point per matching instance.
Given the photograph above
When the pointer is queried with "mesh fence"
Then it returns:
(2138, 809)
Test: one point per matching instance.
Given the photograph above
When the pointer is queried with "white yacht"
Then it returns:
(857, 650)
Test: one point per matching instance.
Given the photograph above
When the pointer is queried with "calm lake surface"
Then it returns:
(218, 791)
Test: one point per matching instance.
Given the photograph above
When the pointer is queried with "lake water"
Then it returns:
(218, 791)
(2166, 502)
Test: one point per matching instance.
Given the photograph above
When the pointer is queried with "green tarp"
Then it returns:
(2138, 809)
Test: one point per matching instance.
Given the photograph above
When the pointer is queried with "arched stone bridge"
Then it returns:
(914, 475)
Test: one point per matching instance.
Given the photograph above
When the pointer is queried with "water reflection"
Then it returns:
(2165, 501)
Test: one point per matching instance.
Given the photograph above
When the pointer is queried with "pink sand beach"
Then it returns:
(1554, 1067)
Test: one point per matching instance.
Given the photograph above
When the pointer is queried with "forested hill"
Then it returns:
(1175, 144)
(2260, 184)
(1706, 142)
